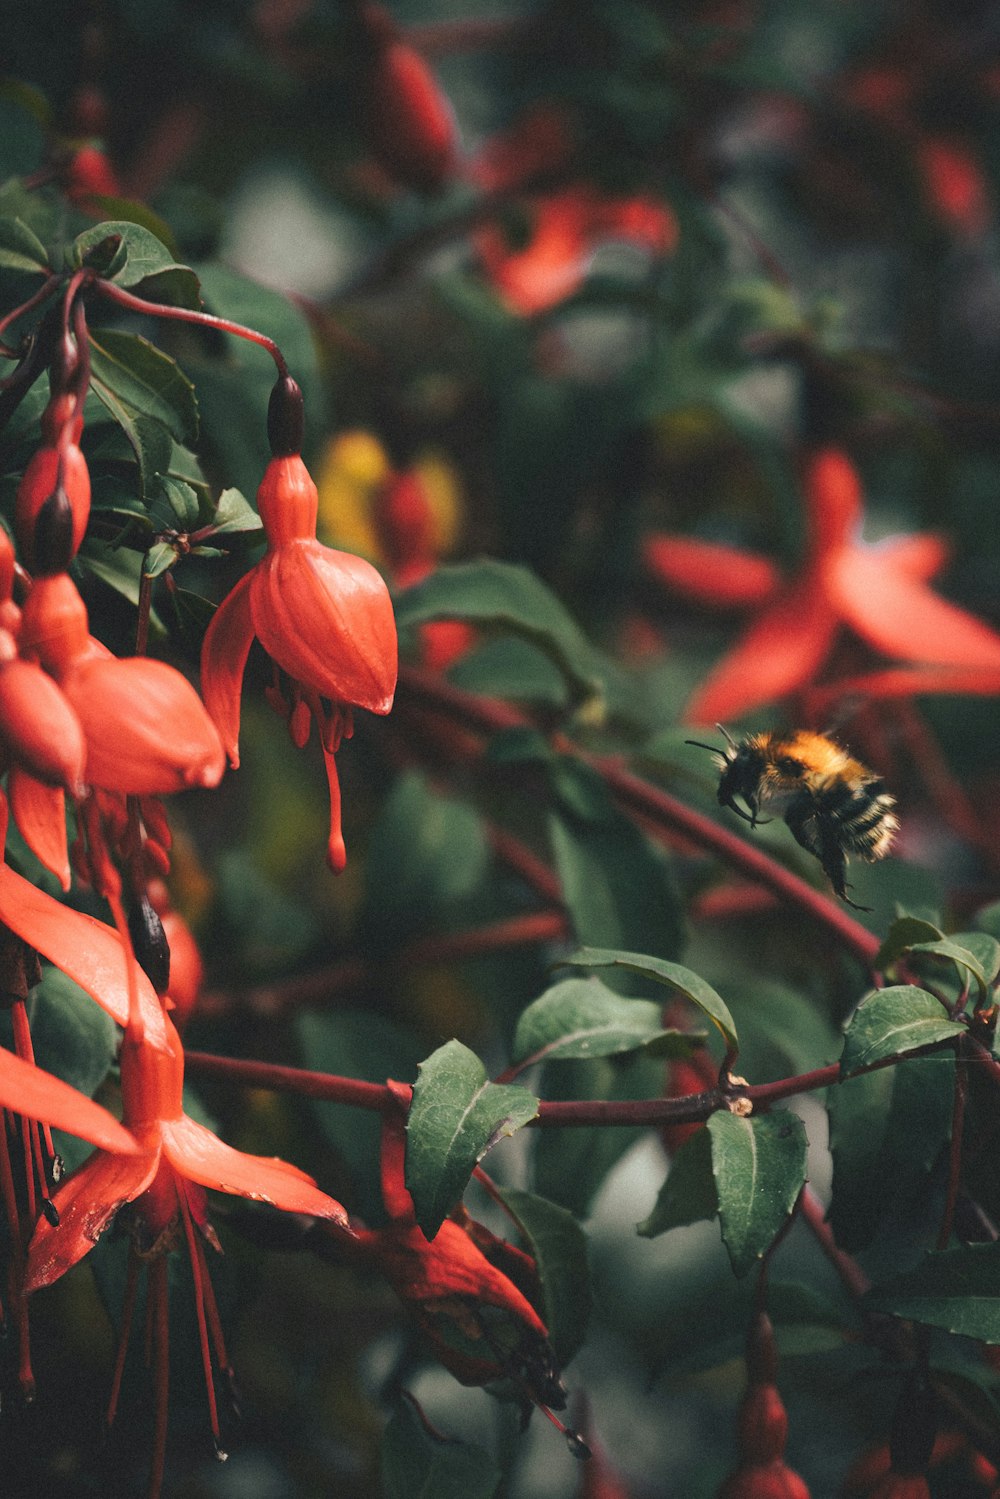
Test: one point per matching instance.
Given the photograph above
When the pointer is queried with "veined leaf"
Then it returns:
(581, 1018)
(457, 1114)
(891, 1022)
(958, 1289)
(417, 1464)
(673, 975)
(759, 1165)
(146, 381)
(559, 1248)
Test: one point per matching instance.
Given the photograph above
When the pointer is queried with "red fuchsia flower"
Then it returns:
(481, 1326)
(762, 1427)
(325, 619)
(159, 1196)
(879, 592)
(568, 222)
(408, 119)
(145, 728)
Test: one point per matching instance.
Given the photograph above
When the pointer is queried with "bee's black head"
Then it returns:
(742, 767)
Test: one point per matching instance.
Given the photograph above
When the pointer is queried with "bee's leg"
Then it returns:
(821, 835)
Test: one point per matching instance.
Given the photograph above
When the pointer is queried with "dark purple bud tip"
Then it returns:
(577, 1445)
(285, 418)
(149, 942)
(54, 535)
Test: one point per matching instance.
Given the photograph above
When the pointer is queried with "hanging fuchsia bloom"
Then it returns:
(762, 1427)
(145, 729)
(324, 617)
(159, 1196)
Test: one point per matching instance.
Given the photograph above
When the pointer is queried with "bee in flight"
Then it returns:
(833, 805)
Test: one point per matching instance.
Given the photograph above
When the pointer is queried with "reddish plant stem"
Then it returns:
(535, 873)
(955, 1150)
(378, 1097)
(187, 315)
(662, 811)
(44, 291)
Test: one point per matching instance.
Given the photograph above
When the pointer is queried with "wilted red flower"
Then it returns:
(481, 1325)
(878, 591)
(325, 619)
(158, 1192)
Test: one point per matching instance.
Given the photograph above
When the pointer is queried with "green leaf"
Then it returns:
(159, 559)
(891, 1022)
(71, 1035)
(947, 947)
(20, 248)
(234, 514)
(679, 979)
(579, 1018)
(456, 1116)
(513, 668)
(150, 442)
(558, 1246)
(903, 932)
(689, 1193)
(887, 1131)
(139, 252)
(958, 1289)
(146, 381)
(984, 948)
(174, 506)
(759, 1164)
(419, 1465)
(502, 598)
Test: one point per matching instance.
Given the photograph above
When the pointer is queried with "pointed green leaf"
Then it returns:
(159, 559)
(580, 1018)
(958, 1289)
(20, 248)
(759, 1165)
(558, 1246)
(419, 1465)
(501, 598)
(689, 1193)
(891, 1022)
(146, 381)
(673, 975)
(234, 514)
(150, 442)
(903, 932)
(964, 960)
(140, 252)
(457, 1114)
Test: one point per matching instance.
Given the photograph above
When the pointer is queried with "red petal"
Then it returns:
(86, 1204)
(834, 500)
(40, 814)
(326, 618)
(26, 1089)
(903, 618)
(196, 1153)
(781, 651)
(39, 726)
(920, 556)
(710, 573)
(903, 681)
(85, 949)
(146, 728)
(223, 660)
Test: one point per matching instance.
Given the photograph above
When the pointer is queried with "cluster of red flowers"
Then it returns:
(113, 736)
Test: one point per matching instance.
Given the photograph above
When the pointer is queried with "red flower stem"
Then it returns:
(665, 812)
(128, 1309)
(187, 315)
(852, 1277)
(955, 1150)
(533, 926)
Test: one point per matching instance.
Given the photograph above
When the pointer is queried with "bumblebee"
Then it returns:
(833, 805)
